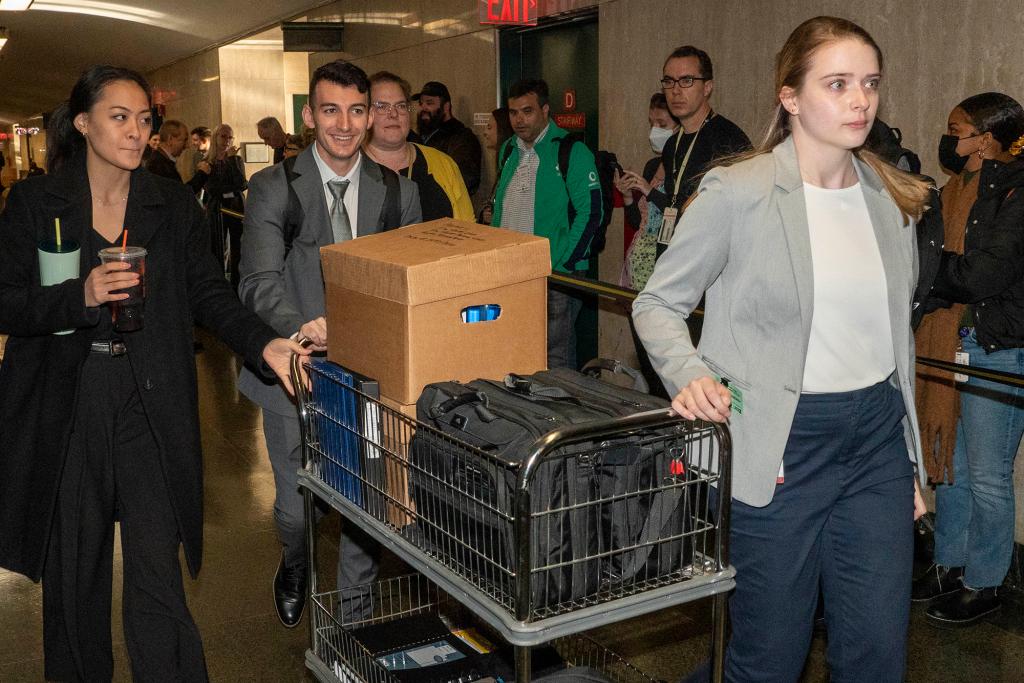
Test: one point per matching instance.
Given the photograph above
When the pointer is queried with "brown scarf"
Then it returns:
(938, 400)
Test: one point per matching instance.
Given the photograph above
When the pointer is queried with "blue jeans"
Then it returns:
(974, 517)
(842, 519)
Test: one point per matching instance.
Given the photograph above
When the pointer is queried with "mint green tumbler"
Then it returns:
(57, 264)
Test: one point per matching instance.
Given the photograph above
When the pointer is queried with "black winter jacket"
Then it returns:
(989, 275)
(930, 236)
(461, 144)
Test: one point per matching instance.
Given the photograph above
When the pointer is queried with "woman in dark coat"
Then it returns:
(98, 426)
(224, 190)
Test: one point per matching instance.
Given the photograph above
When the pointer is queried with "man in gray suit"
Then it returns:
(336, 194)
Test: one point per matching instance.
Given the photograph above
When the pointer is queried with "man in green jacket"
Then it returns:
(535, 196)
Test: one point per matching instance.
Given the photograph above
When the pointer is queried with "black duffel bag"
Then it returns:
(598, 509)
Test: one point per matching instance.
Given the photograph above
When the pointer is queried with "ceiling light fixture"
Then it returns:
(109, 10)
(14, 5)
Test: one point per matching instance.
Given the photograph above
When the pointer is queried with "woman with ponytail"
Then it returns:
(99, 426)
(806, 249)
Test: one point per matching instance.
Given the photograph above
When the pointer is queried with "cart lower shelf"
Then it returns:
(497, 615)
(336, 656)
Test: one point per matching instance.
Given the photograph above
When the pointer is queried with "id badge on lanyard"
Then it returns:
(668, 225)
(671, 215)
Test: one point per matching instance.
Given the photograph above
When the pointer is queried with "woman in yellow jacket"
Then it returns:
(443, 192)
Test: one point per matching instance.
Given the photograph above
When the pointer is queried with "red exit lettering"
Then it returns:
(508, 12)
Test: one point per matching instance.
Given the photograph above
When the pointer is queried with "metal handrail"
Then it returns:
(625, 295)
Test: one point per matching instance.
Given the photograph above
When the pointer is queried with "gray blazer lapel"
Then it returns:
(793, 212)
(371, 197)
(309, 188)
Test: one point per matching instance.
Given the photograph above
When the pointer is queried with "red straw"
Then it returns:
(124, 241)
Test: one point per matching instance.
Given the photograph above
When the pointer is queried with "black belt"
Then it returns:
(111, 347)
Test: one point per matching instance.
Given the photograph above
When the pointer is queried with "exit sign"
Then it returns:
(508, 12)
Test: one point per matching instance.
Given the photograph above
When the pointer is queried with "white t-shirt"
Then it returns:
(851, 335)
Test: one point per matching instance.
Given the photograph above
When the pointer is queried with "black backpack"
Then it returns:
(606, 163)
(887, 142)
(390, 217)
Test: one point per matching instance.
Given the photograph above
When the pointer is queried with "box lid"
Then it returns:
(433, 261)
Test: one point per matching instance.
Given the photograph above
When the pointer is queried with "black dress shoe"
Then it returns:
(964, 607)
(936, 582)
(290, 593)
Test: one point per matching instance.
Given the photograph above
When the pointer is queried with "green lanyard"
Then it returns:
(686, 158)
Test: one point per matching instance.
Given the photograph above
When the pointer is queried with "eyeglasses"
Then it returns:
(384, 108)
(667, 83)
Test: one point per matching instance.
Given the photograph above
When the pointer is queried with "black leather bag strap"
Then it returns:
(664, 507)
(451, 404)
(534, 391)
(294, 215)
(391, 215)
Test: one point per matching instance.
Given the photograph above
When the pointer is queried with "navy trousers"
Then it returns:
(842, 519)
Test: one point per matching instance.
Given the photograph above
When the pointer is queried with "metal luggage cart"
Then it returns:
(535, 565)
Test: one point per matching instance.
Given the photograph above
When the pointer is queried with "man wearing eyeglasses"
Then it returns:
(443, 193)
(329, 193)
(703, 135)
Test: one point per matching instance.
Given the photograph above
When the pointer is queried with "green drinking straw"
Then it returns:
(57, 222)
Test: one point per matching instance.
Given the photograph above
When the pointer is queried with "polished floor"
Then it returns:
(244, 641)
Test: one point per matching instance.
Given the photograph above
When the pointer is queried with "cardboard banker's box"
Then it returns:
(401, 304)
(396, 435)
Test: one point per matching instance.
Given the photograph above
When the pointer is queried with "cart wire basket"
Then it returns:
(601, 522)
(336, 653)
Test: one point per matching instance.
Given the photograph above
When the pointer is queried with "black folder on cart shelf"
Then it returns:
(348, 428)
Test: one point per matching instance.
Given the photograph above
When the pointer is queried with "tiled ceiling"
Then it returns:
(55, 40)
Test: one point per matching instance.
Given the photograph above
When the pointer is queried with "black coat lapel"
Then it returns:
(68, 192)
(143, 217)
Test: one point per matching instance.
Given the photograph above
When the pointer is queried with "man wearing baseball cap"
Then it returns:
(441, 130)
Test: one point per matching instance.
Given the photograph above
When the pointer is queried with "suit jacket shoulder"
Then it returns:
(159, 164)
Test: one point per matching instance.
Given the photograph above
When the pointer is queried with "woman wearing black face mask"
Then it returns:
(983, 209)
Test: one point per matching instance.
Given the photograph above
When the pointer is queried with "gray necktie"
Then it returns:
(340, 226)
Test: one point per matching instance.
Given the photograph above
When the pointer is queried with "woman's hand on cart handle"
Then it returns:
(919, 507)
(278, 355)
(316, 332)
(703, 399)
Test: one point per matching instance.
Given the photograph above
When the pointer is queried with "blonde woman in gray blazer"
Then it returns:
(806, 250)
